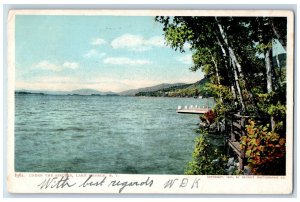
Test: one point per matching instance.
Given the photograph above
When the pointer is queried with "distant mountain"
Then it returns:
(85, 91)
(199, 84)
(42, 92)
(186, 90)
(157, 90)
(133, 92)
(27, 93)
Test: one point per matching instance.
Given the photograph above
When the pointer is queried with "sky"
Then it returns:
(105, 53)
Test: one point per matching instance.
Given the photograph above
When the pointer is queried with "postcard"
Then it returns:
(150, 101)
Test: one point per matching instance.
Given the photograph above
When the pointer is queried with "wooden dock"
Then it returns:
(192, 110)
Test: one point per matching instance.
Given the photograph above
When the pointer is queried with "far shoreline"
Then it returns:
(99, 95)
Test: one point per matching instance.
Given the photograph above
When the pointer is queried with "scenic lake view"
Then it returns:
(150, 101)
(104, 134)
(115, 95)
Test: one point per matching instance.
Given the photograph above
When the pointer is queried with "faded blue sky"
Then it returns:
(106, 53)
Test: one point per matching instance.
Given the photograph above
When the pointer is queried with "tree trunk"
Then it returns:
(236, 66)
(281, 39)
(233, 89)
(217, 73)
(279, 67)
(233, 83)
(268, 69)
(235, 62)
(217, 70)
(236, 79)
(268, 57)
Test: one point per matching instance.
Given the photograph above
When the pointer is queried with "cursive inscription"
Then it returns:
(65, 182)
(55, 182)
(89, 182)
(124, 184)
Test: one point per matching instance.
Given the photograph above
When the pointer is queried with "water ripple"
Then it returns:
(103, 134)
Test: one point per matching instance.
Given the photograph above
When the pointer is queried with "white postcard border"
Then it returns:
(150, 184)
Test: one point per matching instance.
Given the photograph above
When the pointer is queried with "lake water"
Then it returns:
(101, 134)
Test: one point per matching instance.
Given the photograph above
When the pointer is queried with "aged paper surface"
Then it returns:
(28, 175)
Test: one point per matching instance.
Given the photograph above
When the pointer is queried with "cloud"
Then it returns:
(118, 84)
(71, 65)
(127, 41)
(156, 41)
(125, 61)
(94, 53)
(58, 79)
(101, 83)
(72, 83)
(49, 83)
(186, 59)
(46, 65)
(98, 41)
(137, 43)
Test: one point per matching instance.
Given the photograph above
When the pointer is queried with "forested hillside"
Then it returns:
(186, 90)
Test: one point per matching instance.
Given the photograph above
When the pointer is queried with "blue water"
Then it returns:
(103, 134)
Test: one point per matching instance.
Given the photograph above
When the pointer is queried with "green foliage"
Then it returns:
(224, 100)
(262, 47)
(228, 51)
(188, 90)
(247, 37)
(265, 150)
(271, 105)
(278, 111)
(176, 36)
(203, 159)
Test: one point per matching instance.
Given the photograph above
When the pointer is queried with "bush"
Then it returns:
(265, 150)
(206, 160)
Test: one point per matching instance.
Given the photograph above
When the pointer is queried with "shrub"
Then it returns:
(206, 160)
(265, 150)
(210, 116)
